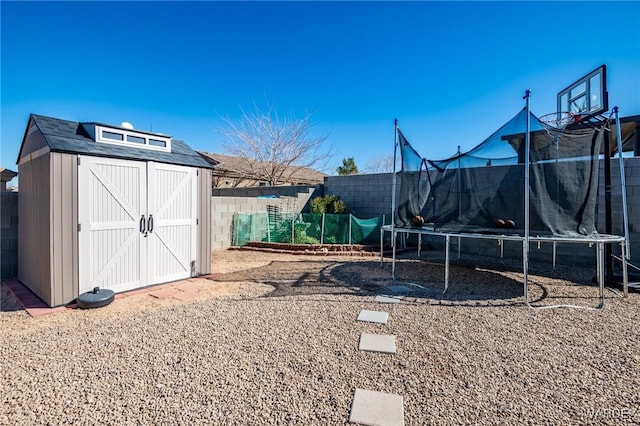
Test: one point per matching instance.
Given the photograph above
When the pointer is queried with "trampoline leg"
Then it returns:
(600, 273)
(381, 246)
(525, 272)
(554, 255)
(625, 274)
(446, 263)
(393, 255)
(459, 246)
(600, 251)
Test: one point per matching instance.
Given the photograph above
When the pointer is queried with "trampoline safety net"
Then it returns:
(483, 189)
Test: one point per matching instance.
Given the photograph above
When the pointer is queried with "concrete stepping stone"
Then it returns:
(373, 316)
(399, 289)
(386, 299)
(385, 343)
(376, 408)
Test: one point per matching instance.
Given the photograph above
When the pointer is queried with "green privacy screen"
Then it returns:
(305, 228)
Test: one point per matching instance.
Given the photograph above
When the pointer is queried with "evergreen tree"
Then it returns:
(348, 167)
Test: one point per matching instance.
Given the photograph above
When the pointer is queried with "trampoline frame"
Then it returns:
(599, 240)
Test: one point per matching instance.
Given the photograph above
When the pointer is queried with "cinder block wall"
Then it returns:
(9, 236)
(366, 196)
(370, 195)
(228, 201)
(632, 178)
(261, 191)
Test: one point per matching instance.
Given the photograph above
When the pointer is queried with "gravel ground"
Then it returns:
(274, 340)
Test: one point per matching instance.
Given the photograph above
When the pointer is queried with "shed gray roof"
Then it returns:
(70, 137)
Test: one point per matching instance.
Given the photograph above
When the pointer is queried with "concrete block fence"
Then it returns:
(632, 178)
(227, 201)
(370, 195)
(365, 196)
(9, 234)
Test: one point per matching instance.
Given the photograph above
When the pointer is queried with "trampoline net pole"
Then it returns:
(459, 186)
(623, 188)
(525, 242)
(393, 182)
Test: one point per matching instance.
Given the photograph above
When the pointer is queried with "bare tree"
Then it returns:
(273, 148)
(380, 164)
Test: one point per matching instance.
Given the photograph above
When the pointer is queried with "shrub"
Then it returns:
(338, 206)
(330, 239)
(300, 234)
(328, 204)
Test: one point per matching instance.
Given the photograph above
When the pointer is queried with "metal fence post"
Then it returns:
(268, 229)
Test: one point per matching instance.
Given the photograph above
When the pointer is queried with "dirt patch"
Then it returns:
(472, 280)
(240, 274)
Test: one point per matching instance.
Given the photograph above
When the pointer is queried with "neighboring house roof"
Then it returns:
(72, 137)
(233, 166)
(6, 175)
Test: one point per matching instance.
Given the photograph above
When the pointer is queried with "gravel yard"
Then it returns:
(273, 339)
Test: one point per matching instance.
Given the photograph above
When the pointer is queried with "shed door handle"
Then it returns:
(142, 224)
(150, 224)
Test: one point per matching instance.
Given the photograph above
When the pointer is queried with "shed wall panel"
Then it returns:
(34, 267)
(204, 222)
(64, 225)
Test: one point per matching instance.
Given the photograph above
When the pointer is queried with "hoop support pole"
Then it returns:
(623, 185)
(525, 242)
(393, 175)
(459, 186)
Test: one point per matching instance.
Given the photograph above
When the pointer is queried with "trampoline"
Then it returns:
(529, 182)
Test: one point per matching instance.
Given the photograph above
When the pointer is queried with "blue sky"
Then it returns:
(450, 72)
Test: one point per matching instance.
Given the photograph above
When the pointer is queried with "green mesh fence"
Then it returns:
(365, 230)
(305, 228)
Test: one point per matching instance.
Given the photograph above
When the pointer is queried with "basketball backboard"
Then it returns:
(587, 96)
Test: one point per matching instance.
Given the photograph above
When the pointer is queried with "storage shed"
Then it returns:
(110, 207)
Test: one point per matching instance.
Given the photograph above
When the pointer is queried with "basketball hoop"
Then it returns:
(560, 120)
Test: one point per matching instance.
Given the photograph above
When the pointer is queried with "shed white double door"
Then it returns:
(138, 223)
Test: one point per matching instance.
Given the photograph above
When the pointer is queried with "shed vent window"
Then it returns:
(113, 136)
(133, 138)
